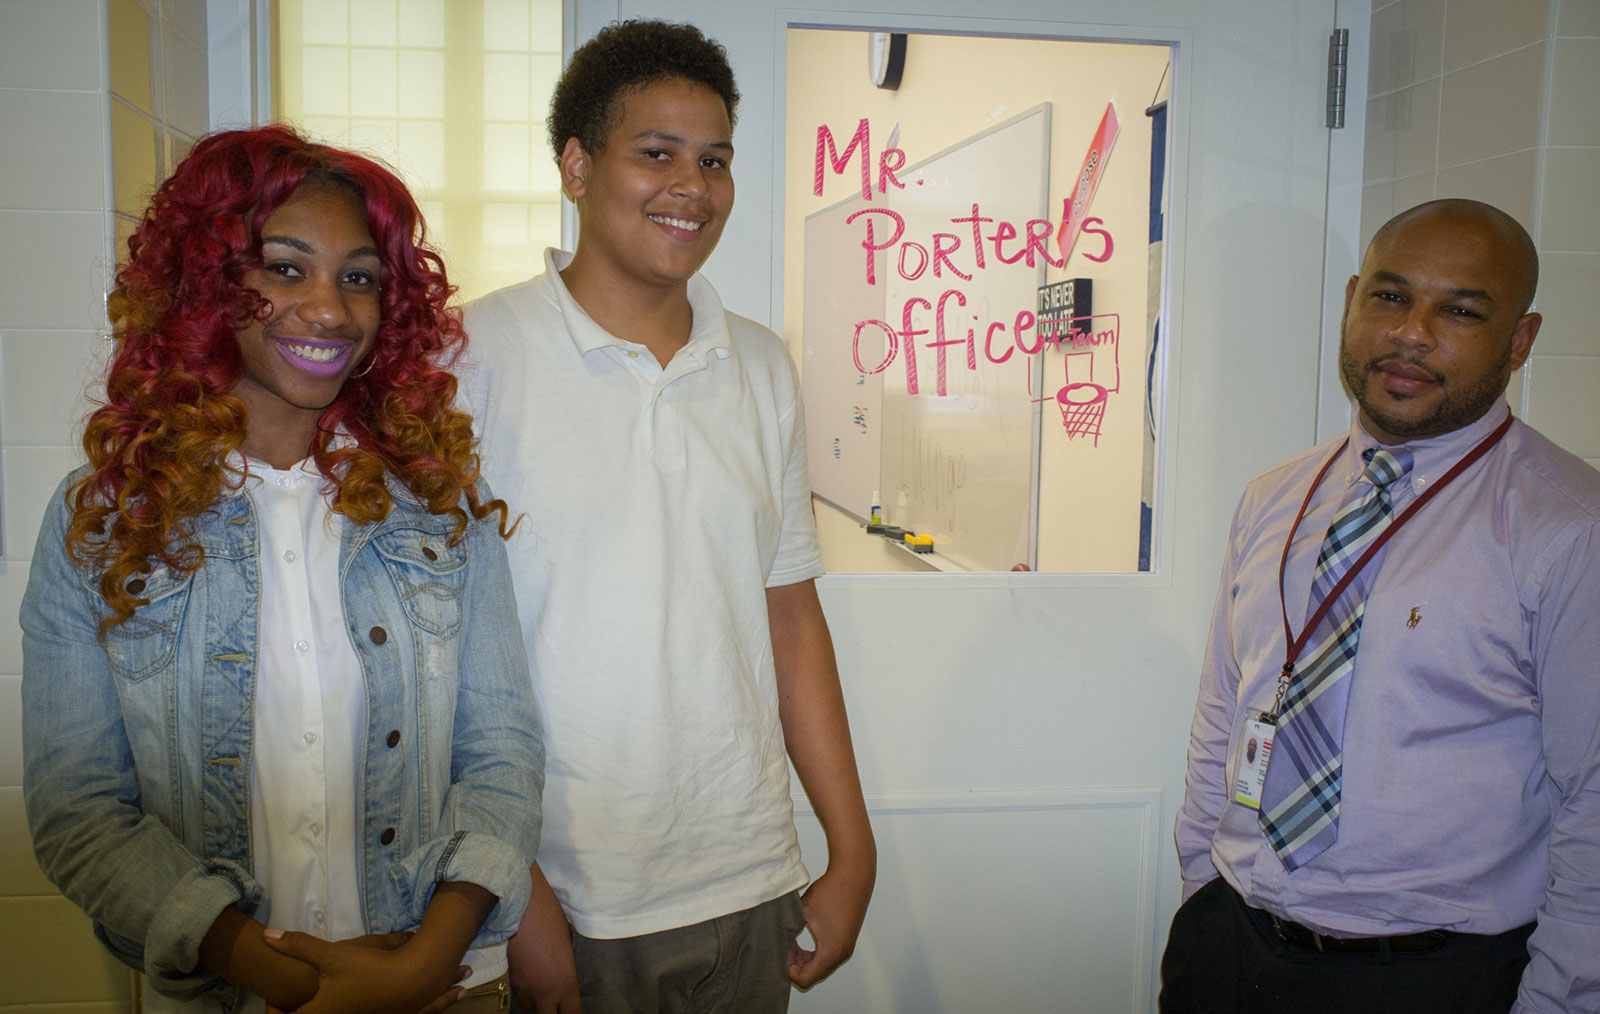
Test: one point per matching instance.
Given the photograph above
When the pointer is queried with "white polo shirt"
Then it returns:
(660, 505)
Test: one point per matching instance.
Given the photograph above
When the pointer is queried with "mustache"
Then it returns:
(1405, 360)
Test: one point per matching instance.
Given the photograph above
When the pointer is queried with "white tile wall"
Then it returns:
(135, 67)
(1517, 124)
(1491, 108)
(1377, 207)
(32, 474)
(52, 956)
(187, 18)
(53, 272)
(137, 155)
(1578, 17)
(1568, 286)
(13, 580)
(56, 76)
(1403, 131)
(77, 173)
(1562, 401)
(1575, 91)
(1478, 29)
(1571, 219)
(188, 103)
(50, 45)
(52, 269)
(1410, 191)
(1407, 45)
(20, 874)
(1509, 182)
(10, 730)
(45, 377)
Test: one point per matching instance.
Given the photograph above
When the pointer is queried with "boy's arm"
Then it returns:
(544, 974)
(817, 734)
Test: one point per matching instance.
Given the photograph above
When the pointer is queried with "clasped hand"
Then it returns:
(380, 973)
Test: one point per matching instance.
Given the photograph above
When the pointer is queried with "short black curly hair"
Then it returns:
(625, 55)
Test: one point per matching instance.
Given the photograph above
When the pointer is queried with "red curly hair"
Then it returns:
(159, 446)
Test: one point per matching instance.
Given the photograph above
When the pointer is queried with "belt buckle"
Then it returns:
(1296, 938)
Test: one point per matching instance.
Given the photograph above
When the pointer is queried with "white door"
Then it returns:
(1022, 736)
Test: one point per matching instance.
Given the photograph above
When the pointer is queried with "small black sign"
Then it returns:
(1064, 301)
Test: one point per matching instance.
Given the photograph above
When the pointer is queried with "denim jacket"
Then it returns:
(137, 748)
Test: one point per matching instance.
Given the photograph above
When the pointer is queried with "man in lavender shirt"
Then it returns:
(1465, 871)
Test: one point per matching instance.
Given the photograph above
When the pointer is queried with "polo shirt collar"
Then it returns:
(709, 332)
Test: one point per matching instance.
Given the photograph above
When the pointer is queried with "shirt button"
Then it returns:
(393, 739)
(319, 917)
(429, 553)
(302, 646)
(310, 738)
(136, 586)
(378, 635)
(632, 354)
(316, 830)
(1421, 482)
(288, 556)
(282, 480)
(387, 836)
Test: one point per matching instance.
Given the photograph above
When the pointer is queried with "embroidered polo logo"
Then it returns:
(1415, 617)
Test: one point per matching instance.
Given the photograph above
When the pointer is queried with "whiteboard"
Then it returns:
(844, 406)
(957, 459)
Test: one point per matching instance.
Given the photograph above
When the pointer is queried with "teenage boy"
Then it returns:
(664, 572)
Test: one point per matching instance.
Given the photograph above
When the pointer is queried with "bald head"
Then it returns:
(1497, 234)
(1438, 319)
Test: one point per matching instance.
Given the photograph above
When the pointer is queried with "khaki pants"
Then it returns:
(734, 964)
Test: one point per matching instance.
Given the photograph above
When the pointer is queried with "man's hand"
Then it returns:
(835, 906)
(817, 734)
(544, 974)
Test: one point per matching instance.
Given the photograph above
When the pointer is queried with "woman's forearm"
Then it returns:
(234, 949)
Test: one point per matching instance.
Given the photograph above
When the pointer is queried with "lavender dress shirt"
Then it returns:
(1471, 795)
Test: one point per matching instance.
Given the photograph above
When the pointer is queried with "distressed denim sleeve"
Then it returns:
(151, 899)
(489, 831)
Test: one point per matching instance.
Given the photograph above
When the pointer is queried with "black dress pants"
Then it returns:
(1224, 957)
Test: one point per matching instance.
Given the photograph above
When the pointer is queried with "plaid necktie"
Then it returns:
(1300, 798)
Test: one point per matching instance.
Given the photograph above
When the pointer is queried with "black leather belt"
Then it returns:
(1309, 939)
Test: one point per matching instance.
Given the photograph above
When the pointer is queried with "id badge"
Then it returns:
(1250, 761)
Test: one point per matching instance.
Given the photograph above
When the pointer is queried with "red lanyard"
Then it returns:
(1296, 644)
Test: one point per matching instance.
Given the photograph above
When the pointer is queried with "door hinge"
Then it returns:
(1338, 69)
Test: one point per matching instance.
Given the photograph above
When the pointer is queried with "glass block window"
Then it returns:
(452, 94)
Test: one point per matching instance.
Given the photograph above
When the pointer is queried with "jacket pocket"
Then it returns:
(428, 573)
(147, 641)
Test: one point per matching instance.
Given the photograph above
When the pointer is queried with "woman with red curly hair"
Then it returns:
(278, 736)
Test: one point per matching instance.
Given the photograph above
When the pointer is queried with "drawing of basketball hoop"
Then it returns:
(1083, 407)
